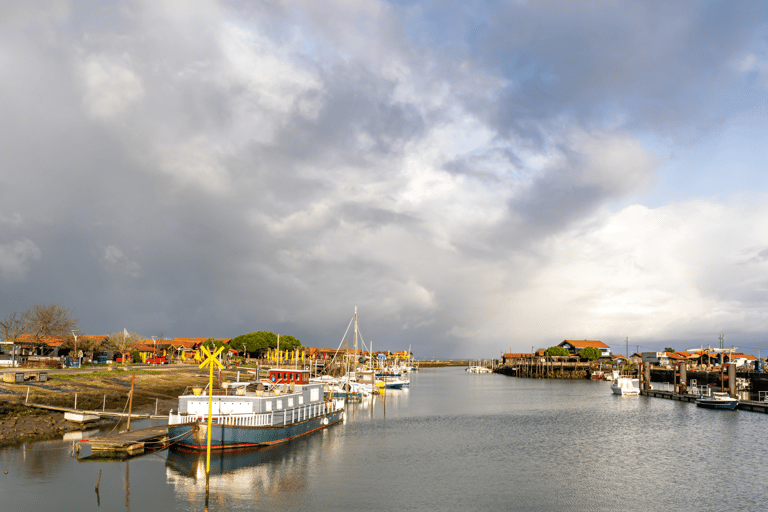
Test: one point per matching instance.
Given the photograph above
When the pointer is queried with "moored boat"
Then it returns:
(251, 414)
(478, 369)
(624, 385)
(717, 400)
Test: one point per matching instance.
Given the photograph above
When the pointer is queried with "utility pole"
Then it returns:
(627, 348)
(76, 358)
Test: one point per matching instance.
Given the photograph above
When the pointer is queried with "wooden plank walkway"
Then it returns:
(128, 442)
(103, 414)
(744, 405)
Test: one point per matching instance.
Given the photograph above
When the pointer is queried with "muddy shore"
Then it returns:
(97, 390)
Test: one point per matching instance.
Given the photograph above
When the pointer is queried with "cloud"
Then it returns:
(462, 175)
(114, 257)
(684, 271)
(111, 87)
(16, 259)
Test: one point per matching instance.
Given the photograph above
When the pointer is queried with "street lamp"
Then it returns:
(76, 357)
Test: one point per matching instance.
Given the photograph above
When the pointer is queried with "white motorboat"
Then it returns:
(717, 400)
(625, 385)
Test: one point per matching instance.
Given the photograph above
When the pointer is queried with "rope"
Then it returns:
(124, 408)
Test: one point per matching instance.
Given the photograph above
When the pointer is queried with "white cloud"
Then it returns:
(114, 258)
(683, 270)
(13, 220)
(111, 85)
(16, 259)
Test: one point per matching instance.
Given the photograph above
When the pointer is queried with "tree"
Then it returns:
(12, 327)
(257, 342)
(85, 343)
(50, 320)
(212, 344)
(557, 351)
(289, 343)
(122, 342)
(260, 341)
(669, 350)
(590, 353)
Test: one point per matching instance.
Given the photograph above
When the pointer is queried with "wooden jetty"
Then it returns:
(130, 442)
(744, 405)
(100, 414)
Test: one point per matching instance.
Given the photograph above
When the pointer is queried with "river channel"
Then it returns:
(453, 441)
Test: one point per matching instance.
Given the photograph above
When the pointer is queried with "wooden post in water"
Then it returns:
(130, 401)
(683, 379)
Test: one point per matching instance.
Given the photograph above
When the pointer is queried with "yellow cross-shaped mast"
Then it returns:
(210, 361)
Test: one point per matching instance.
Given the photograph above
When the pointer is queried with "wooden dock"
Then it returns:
(130, 442)
(744, 405)
(101, 414)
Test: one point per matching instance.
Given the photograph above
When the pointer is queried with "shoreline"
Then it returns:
(91, 390)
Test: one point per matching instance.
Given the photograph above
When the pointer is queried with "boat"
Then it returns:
(395, 382)
(717, 400)
(597, 375)
(624, 385)
(478, 369)
(254, 414)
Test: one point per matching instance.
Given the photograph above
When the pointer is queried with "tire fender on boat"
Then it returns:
(325, 421)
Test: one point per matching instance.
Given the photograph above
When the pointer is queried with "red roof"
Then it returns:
(586, 343)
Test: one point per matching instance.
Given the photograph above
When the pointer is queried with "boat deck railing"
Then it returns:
(245, 420)
(279, 417)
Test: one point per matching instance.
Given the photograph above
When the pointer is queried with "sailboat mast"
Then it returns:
(355, 352)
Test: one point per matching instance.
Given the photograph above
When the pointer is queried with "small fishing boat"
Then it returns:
(597, 375)
(717, 400)
(478, 369)
(251, 414)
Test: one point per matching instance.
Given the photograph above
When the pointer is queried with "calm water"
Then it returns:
(454, 441)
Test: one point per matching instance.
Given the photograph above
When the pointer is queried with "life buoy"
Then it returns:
(273, 378)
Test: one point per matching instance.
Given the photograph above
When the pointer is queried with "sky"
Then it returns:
(474, 177)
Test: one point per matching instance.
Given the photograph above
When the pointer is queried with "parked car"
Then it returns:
(157, 360)
(120, 359)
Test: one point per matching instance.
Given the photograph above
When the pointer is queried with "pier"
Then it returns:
(127, 443)
(744, 405)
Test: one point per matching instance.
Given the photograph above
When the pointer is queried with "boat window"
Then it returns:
(279, 404)
(301, 400)
(290, 402)
(268, 405)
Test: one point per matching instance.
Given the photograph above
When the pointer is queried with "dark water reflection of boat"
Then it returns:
(192, 464)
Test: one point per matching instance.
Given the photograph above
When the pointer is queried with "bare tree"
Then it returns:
(50, 320)
(122, 342)
(12, 327)
(85, 342)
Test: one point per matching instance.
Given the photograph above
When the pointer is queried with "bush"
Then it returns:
(557, 351)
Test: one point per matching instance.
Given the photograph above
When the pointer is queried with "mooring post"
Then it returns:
(104, 404)
(130, 402)
(27, 400)
(75, 401)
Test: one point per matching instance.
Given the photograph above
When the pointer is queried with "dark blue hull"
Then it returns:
(714, 404)
(193, 436)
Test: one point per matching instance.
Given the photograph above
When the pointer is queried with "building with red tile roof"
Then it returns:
(575, 346)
